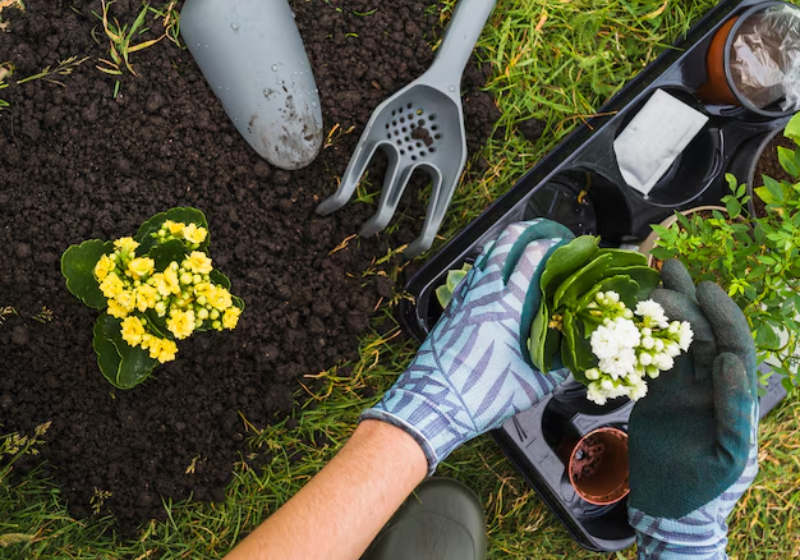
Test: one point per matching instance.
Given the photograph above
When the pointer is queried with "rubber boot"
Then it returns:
(442, 520)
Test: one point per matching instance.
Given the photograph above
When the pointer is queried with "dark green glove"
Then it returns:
(691, 436)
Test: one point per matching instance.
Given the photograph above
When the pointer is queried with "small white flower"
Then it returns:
(673, 327)
(613, 297)
(648, 342)
(596, 394)
(604, 342)
(664, 362)
(646, 331)
(637, 390)
(592, 374)
(652, 372)
(628, 314)
(672, 349)
(685, 336)
(659, 345)
(619, 365)
(645, 359)
(653, 313)
(627, 332)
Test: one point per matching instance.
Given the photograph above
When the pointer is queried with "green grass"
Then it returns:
(560, 69)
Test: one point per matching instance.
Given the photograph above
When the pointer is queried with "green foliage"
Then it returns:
(77, 266)
(125, 366)
(157, 288)
(444, 293)
(756, 259)
(187, 215)
(573, 275)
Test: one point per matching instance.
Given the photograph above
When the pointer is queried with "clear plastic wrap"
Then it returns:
(765, 58)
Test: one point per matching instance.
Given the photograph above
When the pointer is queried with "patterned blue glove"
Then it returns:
(473, 370)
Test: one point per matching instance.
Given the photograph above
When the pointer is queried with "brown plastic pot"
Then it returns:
(650, 241)
(598, 466)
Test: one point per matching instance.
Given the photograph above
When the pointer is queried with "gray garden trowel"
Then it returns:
(253, 57)
(421, 127)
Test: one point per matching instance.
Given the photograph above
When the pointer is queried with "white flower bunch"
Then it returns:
(631, 346)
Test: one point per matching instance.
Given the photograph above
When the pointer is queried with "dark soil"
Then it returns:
(77, 164)
(769, 165)
(588, 459)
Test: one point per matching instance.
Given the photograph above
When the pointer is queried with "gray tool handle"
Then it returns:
(463, 31)
(253, 57)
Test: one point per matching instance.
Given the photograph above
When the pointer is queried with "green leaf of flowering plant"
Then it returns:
(581, 281)
(186, 215)
(77, 266)
(123, 365)
(565, 261)
(219, 279)
(165, 253)
(544, 341)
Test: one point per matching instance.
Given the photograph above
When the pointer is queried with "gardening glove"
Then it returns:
(473, 371)
(693, 449)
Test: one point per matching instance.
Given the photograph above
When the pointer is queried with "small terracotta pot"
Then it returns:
(598, 466)
(716, 90)
(721, 86)
(650, 241)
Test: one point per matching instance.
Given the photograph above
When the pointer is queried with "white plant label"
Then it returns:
(654, 138)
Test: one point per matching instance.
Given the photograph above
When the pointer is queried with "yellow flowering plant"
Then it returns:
(154, 289)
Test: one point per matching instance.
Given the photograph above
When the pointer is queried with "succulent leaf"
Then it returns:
(581, 281)
(220, 279)
(565, 261)
(444, 293)
(123, 365)
(165, 253)
(77, 266)
(185, 215)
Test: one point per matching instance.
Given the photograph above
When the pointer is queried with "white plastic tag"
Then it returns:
(657, 135)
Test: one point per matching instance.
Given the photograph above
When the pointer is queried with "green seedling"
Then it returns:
(44, 316)
(64, 68)
(121, 42)
(756, 259)
(171, 21)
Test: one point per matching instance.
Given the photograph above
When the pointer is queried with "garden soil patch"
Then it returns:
(76, 163)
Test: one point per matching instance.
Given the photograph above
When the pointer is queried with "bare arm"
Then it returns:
(347, 503)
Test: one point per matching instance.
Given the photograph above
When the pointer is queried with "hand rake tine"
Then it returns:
(444, 186)
(393, 186)
(355, 169)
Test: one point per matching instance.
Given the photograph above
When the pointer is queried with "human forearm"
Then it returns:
(346, 504)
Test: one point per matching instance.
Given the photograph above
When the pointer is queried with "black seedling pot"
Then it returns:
(579, 184)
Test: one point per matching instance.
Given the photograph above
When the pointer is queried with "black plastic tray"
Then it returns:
(727, 144)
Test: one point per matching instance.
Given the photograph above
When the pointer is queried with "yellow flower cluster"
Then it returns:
(178, 230)
(161, 349)
(184, 293)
